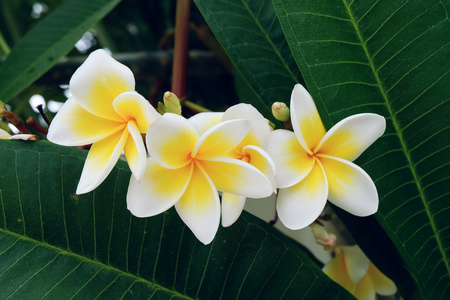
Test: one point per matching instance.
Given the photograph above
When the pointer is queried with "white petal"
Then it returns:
(356, 262)
(259, 130)
(350, 187)
(292, 162)
(158, 190)
(199, 207)
(4, 135)
(101, 159)
(232, 206)
(237, 177)
(75, 126)
(300, 205)
(306, 122)
(220, 139)
(205, 120)
(135, 151)
(131, 106)
(171, 140)
(98, 81)
(260, 159)
(351, 136)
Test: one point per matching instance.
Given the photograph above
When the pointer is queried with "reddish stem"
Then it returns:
(180, 51)
(32, 122)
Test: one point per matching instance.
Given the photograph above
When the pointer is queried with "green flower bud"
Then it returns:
(280, 111)
(172, 103)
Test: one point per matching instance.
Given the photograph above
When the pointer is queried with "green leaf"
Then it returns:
(47, 42)
(59, 245)
(391, 58)
(250, 33)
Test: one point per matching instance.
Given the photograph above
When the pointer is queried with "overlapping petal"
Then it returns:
(351, 136)
(292, 162)
(98, 81)
(232, 206)
(259, 130)
(131, 106)
(336, 270)
(199, 207)
(364, 290)
(4, 135)
(383, 285)
(220, 139)
(301, 204)
(260, 159)
(306, 122)
(356, 262)
(101, 158)
(158, 190)
(237, 177)
(350, 187)
(170, 141)
(135, 151)
(205, 120)
(74, 126)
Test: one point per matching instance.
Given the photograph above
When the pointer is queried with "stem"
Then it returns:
(180, 51)
(195, 107)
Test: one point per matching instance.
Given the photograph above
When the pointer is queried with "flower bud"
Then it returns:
(172, 103)
(323, 237)
(280, 111)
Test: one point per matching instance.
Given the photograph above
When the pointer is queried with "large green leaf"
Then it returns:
(250, 33)
(57, 245)
(391, 58)
(47, 42)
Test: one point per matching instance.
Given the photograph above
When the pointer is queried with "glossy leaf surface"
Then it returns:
(391, 58)
(57, 245)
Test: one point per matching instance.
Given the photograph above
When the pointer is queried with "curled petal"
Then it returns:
(232, 206)
(351, 136)
(306, 122)
(350, 187)
(356, 262)
(158, 190)
(259, 130)
(135, 151)
(98, 81)
(101, 158)
(260, 159)
(199, 207)
(4, 135)
(335, 269)
(383, 285)
(300, 205)
(131, 106)
(170, 140)
(237, 177)
(205, 120)
(364, 289)
(221, 139)
(292, 162)
(74, 126)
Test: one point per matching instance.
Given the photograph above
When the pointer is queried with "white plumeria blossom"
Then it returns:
(104, 110)
(353, 271)
(187, 169)
(314, 165)
(250, 150)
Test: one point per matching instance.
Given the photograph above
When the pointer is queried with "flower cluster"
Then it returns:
(186, 162)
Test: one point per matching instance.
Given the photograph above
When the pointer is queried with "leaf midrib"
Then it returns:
(95, 262)
(399, 135)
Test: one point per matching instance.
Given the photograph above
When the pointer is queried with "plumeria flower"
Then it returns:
(250, 150)
(314, 165)
(186, 169)
(105, 111)
(352, 270)
(25, 137)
